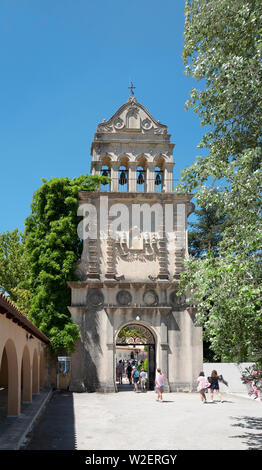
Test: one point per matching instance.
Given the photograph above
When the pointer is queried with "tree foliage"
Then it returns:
(52, 249)
(223, 46)
(14, 269)
(205, 232)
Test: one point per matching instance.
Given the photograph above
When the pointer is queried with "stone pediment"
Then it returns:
(132, 117)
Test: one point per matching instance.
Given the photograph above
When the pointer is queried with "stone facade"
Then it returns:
(131, 264)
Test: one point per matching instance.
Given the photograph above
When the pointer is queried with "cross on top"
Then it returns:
(131, 88)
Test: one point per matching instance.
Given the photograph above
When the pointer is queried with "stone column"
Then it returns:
(110, 253)
(168, 177)
(150, 178)
(114, 177)
(164, 353)
(180, 239)
(163, 255)
(132, 178)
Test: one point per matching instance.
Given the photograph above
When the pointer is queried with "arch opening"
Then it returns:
(134, 347)
(10, 393)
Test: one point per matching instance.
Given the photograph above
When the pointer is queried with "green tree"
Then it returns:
(14, 269)
(52, 249)
(223, 46)
(205, 232)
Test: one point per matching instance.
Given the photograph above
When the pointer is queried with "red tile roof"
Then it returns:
(14, 314)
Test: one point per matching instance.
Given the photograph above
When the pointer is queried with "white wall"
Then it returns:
(231, 373)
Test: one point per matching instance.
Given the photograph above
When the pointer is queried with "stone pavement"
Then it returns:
(131, 421)
(13, 430)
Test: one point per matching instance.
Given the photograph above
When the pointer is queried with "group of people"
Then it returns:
(136, 375)
(209, 383)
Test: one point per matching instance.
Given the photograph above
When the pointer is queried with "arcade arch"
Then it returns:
(136, 342)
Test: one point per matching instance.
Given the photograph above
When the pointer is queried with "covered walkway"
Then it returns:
(23, 367)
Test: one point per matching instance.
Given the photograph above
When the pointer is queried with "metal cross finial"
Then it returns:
(131, 88)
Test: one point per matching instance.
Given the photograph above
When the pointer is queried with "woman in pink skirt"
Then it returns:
(159, 382)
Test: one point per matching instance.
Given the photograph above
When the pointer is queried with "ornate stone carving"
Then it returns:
(175, 300)
(150, 298)
(143, 248)
(104, 127)
(146, 124)
(142, 335)
(160, 130)
(95, 298)
(119, 123)
(124, 298)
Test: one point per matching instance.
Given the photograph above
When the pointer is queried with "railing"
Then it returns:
(140, 188)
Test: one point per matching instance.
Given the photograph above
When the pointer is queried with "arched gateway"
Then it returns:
(134, 242)
(137, 342)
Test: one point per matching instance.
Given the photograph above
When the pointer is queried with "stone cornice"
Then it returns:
(159, 197)
(95, 284)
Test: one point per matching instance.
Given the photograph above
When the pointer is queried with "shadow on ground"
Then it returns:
(55, 429)
(252, 439)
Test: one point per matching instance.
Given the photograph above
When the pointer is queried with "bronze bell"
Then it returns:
(104, 172)
(122, 178)
(140, 179)
(158, 179)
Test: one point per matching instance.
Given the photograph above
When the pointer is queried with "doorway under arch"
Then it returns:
(135, 344)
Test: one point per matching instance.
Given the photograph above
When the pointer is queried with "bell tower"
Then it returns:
(134, 150)
(131, 264)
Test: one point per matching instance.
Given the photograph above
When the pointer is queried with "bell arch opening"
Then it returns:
(135, 346)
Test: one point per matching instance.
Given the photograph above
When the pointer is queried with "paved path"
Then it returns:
(128, 420)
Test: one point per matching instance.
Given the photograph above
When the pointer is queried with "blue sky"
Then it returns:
(65, 66)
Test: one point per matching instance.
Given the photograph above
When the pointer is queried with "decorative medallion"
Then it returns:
(175, 300)
(124, 297)
(95, 299)
(119, 123)
(146, 124)
(150, 298)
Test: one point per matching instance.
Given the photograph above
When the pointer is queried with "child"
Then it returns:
(215, 385)
(202, 386)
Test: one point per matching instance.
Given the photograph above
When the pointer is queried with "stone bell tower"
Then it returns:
(132, 261)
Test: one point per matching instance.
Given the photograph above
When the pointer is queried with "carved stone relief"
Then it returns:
(150, 298)
(95, 298)
(175, 300)
(124, 298)
(143, 249)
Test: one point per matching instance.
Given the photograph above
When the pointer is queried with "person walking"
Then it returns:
(143, 379)
(129, 373)
(121, 368)
(214, 381)
(159, 383)
(135, 376)
(202, 386)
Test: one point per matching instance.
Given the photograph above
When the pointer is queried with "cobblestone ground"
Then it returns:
(128, 420)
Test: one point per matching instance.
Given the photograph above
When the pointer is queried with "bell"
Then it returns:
(104, 172)
(122, 178)
(158, 180)
(140, 179)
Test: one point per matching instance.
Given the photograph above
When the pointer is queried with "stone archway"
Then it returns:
(11, 377)
(139, 341)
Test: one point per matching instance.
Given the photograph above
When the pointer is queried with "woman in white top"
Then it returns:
(202, 386)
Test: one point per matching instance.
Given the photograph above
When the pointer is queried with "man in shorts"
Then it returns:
(135, 376)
